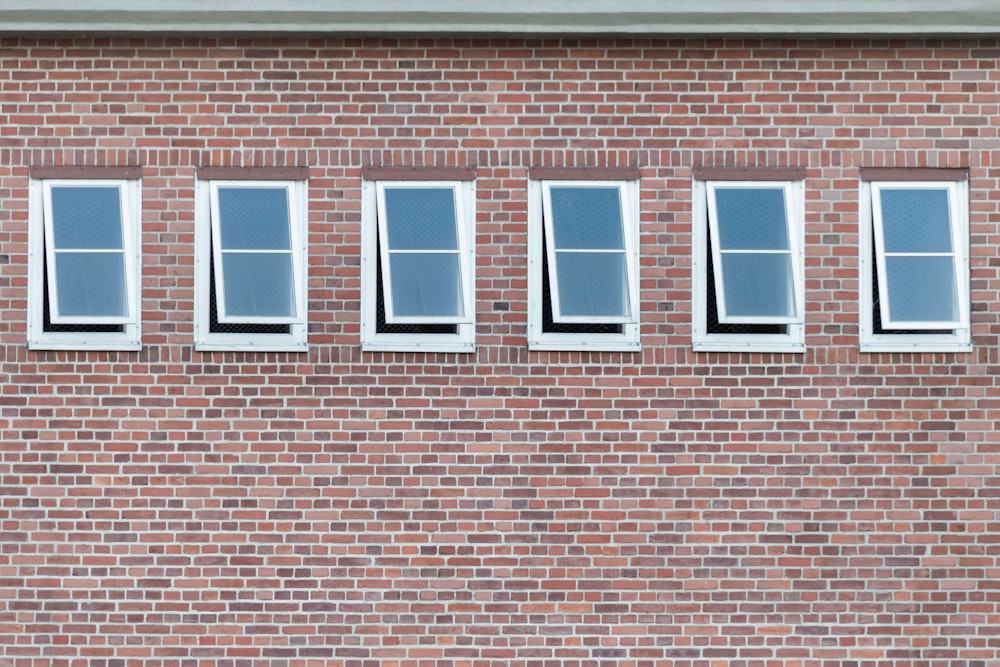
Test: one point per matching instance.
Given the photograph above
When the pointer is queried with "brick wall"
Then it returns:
(180, 508)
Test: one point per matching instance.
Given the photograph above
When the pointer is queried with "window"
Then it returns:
(250, 261)
(84, 258)
(417, 261)
(914, 261)
(583, 243)
(748, 261)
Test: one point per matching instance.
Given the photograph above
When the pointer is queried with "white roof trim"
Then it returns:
(520, 17)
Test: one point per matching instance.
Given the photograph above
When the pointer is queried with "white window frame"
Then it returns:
(462, 252)
(40, 248)
(941, 337)
(539, 228)
(794, 252)
(373, 221)
(207, 227)
(702, 214)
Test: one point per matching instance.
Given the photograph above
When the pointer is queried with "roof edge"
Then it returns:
(520, 17)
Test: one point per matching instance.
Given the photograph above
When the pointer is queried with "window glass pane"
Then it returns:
(254, 218)
(916, 220)
(587, 218)
(922, 289)
(421, 219)
(86, 217)
(91, 284)
(426, 284)
(758, 285)
(258, 284)
(592, 284)
(751, 218)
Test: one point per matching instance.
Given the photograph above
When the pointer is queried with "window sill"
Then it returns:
(232, 342)
(47, 344)
(251, 347)
(561, 345)
(914, 348)
(374, 346)
(729, 346)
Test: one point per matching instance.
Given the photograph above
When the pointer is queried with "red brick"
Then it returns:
(667, 507)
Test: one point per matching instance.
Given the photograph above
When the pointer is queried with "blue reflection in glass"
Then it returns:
(587, 218)
(922, 289)
(86, 217)
(421, 218)
(258, 284)
(751, 218)
(916, 220)
(254, 218)
(592, 284)
(91, 284)
(428, 285)
(758, 285)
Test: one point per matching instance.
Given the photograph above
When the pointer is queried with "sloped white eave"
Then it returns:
(511, 17)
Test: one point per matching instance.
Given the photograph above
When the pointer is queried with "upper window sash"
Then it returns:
(424, 252)
(90, 266)
(919, 255)
(256, 252)
(756, 252)
(590, 253)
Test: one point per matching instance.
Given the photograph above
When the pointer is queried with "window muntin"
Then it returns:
(917, 254)
(708, 332)
(423, 253)
(755, 254)
(89, 269)
(401, 316)
(590, 261)
(250, 260)
(258, 275)
(592, 312)
(83, 258)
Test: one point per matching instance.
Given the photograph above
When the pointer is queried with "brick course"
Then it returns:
(179, 508)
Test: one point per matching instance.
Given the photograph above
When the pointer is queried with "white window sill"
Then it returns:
(792, 348)
(48, 344)
(584, 347)
(961, 348)
(376, 346)
(251, 347)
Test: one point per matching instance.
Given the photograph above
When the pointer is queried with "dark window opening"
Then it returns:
(48, 325)
(214, 326)
(877, 307)
(712, 309)
(383, 327)
(550, 326)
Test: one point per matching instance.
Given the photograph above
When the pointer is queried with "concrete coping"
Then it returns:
(679, 18)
